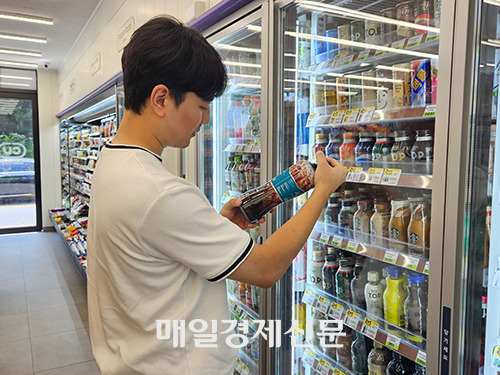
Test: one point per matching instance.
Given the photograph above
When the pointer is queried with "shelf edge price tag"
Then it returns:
(308, 357)
(390, 257)
(380, 53)
(426, 268)
(245, 370)
(325, 238)
(351, 319)
(351, 115)
(352, 246)
(323, 304)
(336, 371)
(336, 241)
(363, 55)
(310, 117)
(421, 358)
(414, 41)
(430, 111)
(391, 176)
(309, 297)
(366, 114)
(324, 367)
(495, 358)
(349, 174)
(375, 175)
(336, 310)
(399, 44)
(370, 328)
(431, 36)
(337, 117)
(411, 263)
(356, 174)
(392, 342)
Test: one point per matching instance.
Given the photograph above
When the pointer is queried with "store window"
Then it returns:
(20, 200)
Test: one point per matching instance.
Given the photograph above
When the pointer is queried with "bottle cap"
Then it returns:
(373, 276)
(393, 271)
(415, 278)
(320, 136)
(365, 135)
(364, 203)
(318, 254)
(333, 136)
(331, 250)
(345, 263)
(237, 159)
(349, 135)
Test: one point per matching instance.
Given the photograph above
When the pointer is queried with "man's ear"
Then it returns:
(160, 100)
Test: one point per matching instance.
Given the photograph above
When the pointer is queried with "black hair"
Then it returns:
(165, 51)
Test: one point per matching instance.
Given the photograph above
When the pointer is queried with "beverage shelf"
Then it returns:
(323, 364)
(254, 315)
(394, 252)
(367, 324)
(246, 365)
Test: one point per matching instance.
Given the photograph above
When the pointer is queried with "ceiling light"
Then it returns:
(236, 48)
(393, 68)
(16, 63)
(26, 18)
(14, 84)
(23, 38)
(19, 52)
(17, 77)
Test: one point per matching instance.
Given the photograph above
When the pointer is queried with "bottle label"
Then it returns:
(287, 187)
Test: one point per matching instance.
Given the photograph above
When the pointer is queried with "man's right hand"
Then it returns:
(330, 174)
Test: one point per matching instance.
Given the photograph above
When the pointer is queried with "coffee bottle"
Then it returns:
(373, 295)
(422, 152)
(359, 355)
(378, 359)
(419, 227)
(344, 351)
(398, 224)
(330, 269)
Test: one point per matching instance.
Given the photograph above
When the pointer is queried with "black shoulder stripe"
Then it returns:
(235, 264)
(110, 145)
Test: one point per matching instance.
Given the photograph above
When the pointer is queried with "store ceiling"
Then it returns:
(69, 16)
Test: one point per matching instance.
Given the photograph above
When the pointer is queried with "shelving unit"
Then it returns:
(323, 364)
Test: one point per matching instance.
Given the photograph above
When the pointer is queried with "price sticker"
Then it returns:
(240, 148)
(392, 342)
(431, 36)
(351, 319)
(414, 41)
(495, 358)
(308, 357)
(349, 174)
(352, 246)
(257, 147)
(366, 114)
(411, 263)
(239, 365)
(336, 117)
(421, 358)
(430, 111)
(391, 176)
(380, 53)
(336, 241)
(399, 44)
(336, 311)
(356, 174)
(345, 60)
(310, 117)
(390, 257)
(309, 297)
(375, 175)
(323, 304)
(323, 367)
(426, 268)
(363, 55)
(370, 328)
(336, 371)
(351, 116)
(245, 370)
(325, 238)
(378, 116)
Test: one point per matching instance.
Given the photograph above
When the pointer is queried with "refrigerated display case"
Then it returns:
(359, 80)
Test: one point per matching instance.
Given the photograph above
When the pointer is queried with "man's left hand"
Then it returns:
(232, 212)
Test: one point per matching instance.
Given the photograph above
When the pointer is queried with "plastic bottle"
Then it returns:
(329, 272)
(359, 355)
(253, 123)
(315, 271)
(302, 116)
(343, 280)
(235, 174)
(419, 370)
(363, 150)
(241, 170)
(248, 296)
(415, 308)
(378, 359)
(346, 216)
(230, 120)
(395, 366)
(373, 295)
(332, 149)
(321, 142)
(331, 215)
(238, 131)
(358, 287)
(381, 152)
(379, 222)
(249, 173)
(394, 297)
(227, 172)
(347, 149)
(398, 224)
(361, 221)
(419, 227)
(256, 173)
(344, 352)
(255, 298)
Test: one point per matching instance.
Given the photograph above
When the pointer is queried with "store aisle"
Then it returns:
(43, 309)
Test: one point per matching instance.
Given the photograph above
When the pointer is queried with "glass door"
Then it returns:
(359, 82)
(20, 199)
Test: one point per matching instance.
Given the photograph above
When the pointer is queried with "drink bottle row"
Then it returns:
(243, 118)
(252, 348)
(242, 172)
(379, 149)
(247, 294)
(389, 293)
(385, 218)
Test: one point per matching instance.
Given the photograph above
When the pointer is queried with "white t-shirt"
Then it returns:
(155, 249)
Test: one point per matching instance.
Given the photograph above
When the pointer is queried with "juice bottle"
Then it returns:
(330, 269)
(347, 151)
(415, 307)
(373, 295)
(394, 297)
(344, 352)
(419, 227)
(398, 224)
(361, 220)
(379, 222)
(359, 355)
(343, 280)
(378, 359)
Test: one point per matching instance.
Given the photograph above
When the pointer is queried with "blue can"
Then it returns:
(421, 93)
(319, 50)
(363, 150)
(332, 48)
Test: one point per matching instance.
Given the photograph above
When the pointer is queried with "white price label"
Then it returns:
(426, 268)
(323, 367)
(352, 246)
(421, 358)
(380, 53)
(392, 342)
(399, 44)
(431, 36)
(323, 304)
(245, 370)
(336, 117)
(375, 175)
(336, 371)
(356, 174)
(411, 263)
(239, 365)
(351, 319)
(390, 257)
(309, 297)
(391, 176)
(240, 148)
(370, 328)
(336, 241)
(366, 114)
(414, 41)
(351, 116)
(336, 311)
(325, 238)
(363, 55)
(308, 357)
(430, 111)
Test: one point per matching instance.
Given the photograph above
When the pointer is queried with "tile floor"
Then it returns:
(43, 309)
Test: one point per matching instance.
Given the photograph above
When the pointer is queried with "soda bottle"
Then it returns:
(361, 220)
(235, 174)
(394, 297)
(373, 295)
(315, 274)
(358, 287)
(395, 367)
(332, 149)
(415, 307)
(238, 132)
(344, 352)
(227, 171)
(330, 269)
(332, 210)
(379, 222)
(378, 359)
(359, 355)
(343, 280)
(293, 182)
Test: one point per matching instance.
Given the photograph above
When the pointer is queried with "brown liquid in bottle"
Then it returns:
(378, 359)
(398, 225)
(419, 227)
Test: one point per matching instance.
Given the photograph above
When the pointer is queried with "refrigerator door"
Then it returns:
(359, 81)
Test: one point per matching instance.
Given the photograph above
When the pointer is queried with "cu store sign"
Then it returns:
(12, 149)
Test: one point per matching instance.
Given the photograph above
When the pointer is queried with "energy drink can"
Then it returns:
(424, 13)
(421, 93)
(388, 29)
(402, 88)
(405, 12)
(344, 32)
(332, 48)
(373, 30)
(342, 93)
(434, 79)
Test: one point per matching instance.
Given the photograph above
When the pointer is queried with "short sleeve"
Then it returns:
(182, 226)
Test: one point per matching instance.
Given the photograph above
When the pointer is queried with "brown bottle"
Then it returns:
(419, 227)
(398, 225)
(379, 222)
(378, 359)
(344, 353)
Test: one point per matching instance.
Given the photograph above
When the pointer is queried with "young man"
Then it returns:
(157, 249)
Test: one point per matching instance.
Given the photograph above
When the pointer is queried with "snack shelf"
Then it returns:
(322, 363)
(367, 324)
(394, 252)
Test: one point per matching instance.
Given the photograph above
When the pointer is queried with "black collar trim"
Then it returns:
(110, 145)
